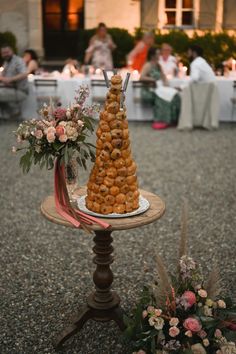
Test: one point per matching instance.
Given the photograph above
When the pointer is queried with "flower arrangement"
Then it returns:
(58, 134)
(183, 313)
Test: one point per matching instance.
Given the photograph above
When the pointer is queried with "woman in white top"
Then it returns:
(100, 49)
(167, 61)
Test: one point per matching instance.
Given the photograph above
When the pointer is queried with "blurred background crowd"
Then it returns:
(179, 44)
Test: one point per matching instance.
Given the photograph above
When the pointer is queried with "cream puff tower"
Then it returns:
(112, 185)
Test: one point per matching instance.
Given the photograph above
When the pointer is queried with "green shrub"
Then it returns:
(124, 42)
(217, 47)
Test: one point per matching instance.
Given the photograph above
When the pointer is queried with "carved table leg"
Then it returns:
(103, 304)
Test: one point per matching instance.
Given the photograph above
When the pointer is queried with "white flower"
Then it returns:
(207, 311)
(202, 293)
(174, 321)
(68, 113)
(198, 349)
(159, 323)
(156, 322)
(188, 334)
(13, 149)
(221, 304)
(228, 348)
(205, 342)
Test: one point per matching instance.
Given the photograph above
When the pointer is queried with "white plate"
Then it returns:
(143, 206)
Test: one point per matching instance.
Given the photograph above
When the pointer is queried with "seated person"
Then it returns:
(165, 100)
(200, 70)
(31, 61)
(13, 83)
(71, 67)
(167, 61)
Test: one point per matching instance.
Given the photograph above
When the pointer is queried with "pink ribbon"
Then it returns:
(64, 207)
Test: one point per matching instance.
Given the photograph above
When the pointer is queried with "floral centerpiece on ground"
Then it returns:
(183, 313)
(58, 134)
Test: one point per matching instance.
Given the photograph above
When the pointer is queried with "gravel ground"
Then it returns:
(46, 269)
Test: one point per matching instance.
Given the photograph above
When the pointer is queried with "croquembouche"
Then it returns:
(113, 185)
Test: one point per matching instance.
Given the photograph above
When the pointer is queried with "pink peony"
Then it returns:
(192, 324)
(190, 297)
(63, 138)
(51, 137)
(60, 130)
(38, 134)
(174, 331)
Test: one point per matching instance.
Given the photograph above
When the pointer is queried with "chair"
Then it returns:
(199, 106)
(96, 83)
(233, 100)
(12, 108)
(46, 90)
(138, 85)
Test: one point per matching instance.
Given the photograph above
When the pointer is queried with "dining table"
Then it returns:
(136, 109)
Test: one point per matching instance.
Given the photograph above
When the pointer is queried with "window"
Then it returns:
(63, 15)
(178, 13)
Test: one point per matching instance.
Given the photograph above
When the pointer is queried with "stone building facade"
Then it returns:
(40, 24)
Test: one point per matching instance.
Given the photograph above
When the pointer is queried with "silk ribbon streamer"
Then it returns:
(64, 207)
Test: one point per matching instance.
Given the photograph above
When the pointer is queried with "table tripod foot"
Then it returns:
(77, 323)
(115, 314)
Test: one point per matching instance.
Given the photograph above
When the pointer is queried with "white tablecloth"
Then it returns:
(136, 110)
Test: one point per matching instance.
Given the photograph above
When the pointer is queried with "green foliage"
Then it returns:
(124, 42)
(217, 47)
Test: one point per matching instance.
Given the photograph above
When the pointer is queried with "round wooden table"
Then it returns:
(103, 304)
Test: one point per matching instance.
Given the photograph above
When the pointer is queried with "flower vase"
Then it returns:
(71, 176)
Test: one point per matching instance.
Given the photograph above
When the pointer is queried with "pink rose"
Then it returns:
(192, 324)
(190, 297)
(63, 138)
(51, 137)
(60, 130)
(174, 331)
(38, 134)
